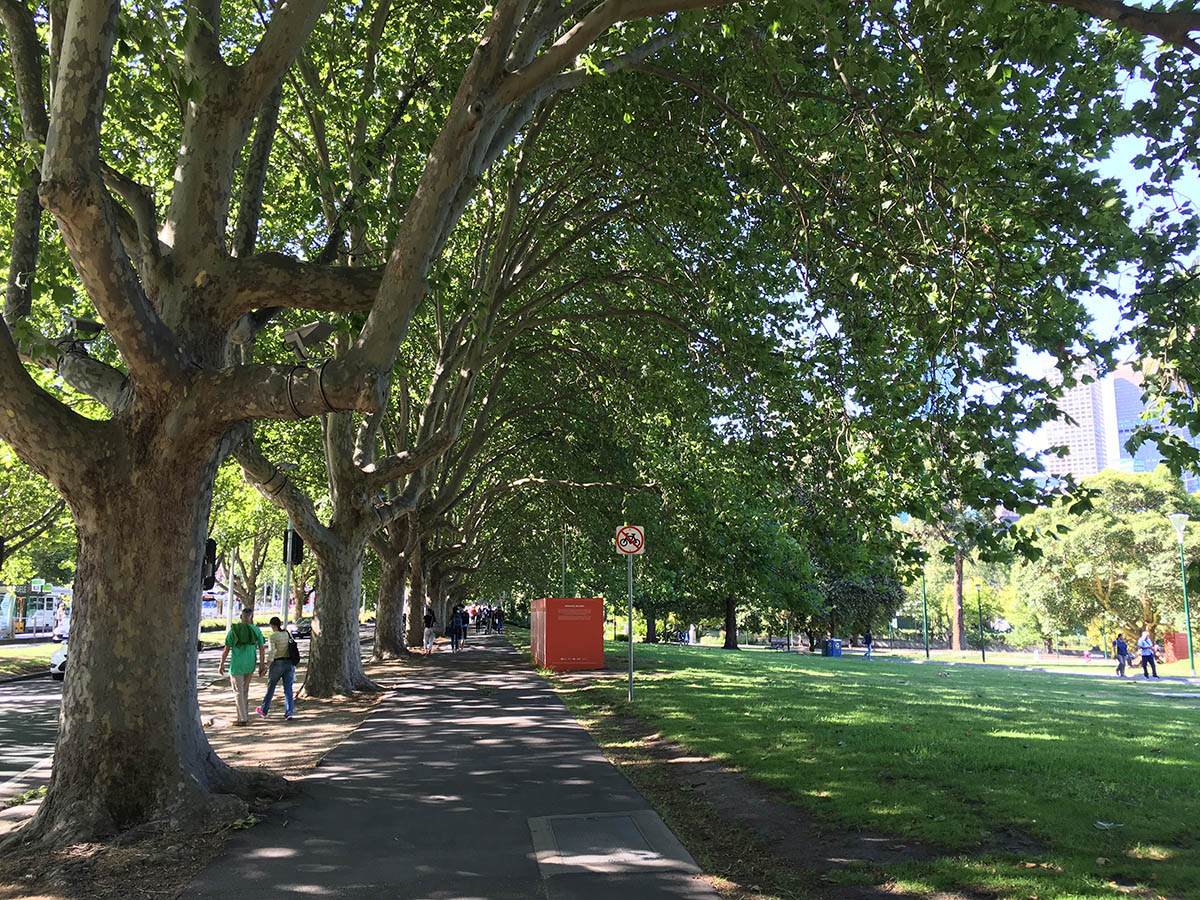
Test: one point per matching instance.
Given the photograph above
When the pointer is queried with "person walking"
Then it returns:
(869, 642)
(455, 628)
(242, 639)
(463, 626)
(498, 618)
(430, 621)
(283, 667)
(1121, 651)
(1147, 647)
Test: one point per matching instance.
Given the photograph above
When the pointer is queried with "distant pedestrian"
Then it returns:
(430, 621)
(498, 619)
(478, 618)
(1121, 651)
(869, 642)
(283, 667)
(455, 628)
(1147, 647)
(243, 638)
(463, 626)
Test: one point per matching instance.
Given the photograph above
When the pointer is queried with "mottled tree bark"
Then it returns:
(390, 637)
(335, 655)
(131, 749)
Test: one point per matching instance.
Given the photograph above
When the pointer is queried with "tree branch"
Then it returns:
(1174, 27)
(26, 54)
(273, 279)
(566, 49)
(72, 190)
(279, 490)
(291, 23)
(52, 438)
(255, 180)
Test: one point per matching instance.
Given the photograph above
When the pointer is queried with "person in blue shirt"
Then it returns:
(1121, 651)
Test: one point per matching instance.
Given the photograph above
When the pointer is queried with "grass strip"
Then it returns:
(1037, 784)
(21, 659)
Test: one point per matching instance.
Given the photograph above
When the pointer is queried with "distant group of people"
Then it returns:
(1145, 647)
(243, 642)
(484, 617)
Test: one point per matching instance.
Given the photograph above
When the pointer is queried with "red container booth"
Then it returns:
(567, 633)
(1174, 646)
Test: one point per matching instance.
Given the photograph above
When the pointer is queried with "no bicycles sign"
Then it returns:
(631, 540)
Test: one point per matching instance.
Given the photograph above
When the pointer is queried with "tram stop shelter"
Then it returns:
(567, 633)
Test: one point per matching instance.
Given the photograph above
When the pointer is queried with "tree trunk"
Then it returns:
(335, 655)
(651, 629)
(416, 607)
(390, 638)
(131, 750)
(731, 641)
(417, 598)
(249, 593)
(957, 621)
(1149, 617)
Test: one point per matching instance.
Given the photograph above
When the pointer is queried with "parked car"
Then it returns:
(58, 663)
(302, 628)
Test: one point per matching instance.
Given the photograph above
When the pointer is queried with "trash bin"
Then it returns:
(833, 647)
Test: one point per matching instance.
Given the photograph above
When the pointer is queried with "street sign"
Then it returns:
(631, 540)
(37, 583)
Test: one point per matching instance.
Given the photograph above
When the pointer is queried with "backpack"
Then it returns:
(293, 650)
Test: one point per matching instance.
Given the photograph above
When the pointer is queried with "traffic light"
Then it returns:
(297, 547)
(208, 569)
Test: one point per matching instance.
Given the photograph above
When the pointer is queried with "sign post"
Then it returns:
(287, 572)
(631, 541)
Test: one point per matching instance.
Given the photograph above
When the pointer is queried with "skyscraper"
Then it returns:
(1084, 433)
(1105, 413)
(1128, 414)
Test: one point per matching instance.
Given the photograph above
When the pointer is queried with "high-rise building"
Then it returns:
(1105, 413)
(1127, 412)
(1083, 433)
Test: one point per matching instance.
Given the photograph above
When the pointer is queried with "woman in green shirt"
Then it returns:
(243, 638)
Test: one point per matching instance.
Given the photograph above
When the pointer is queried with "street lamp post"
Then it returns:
(924, 613)
(1179, 520)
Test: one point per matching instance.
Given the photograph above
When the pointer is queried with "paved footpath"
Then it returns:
(470, 781)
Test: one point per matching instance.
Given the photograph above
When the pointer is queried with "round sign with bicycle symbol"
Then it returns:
(631, 540)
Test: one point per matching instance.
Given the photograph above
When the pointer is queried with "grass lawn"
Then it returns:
(1099, 778)
(25, 659)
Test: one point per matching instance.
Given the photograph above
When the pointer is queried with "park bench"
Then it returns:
(778, 644)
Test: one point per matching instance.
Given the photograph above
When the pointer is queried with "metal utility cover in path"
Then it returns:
(607, 843)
